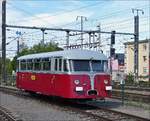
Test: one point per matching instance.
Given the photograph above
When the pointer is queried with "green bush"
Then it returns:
(129, 79)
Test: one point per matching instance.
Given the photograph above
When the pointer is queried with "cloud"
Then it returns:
(47, 20)
(43, 19)
(16, 17)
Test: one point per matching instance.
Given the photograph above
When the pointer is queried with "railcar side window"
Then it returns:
(60, 64)
(65, 66)
(23, 65)
(29, 64)
(17, 65)
(37, 64)
(56, 64)
(46, 64)
(105, 66)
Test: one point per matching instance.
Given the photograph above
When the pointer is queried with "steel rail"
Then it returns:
(135, 88)
(132, 96)
(6, 116)
(130, 116)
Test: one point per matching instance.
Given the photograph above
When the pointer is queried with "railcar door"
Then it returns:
(56, 80)
(53, 75)
(21, 75)
(59, 82)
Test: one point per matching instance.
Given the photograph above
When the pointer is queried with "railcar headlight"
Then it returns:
(106, 81)
(76, 82)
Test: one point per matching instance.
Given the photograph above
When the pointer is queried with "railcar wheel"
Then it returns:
(31, 93)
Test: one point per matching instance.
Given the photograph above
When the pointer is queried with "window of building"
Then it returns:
(145, 70)
(23, 65)
(144, 47)
(144, 58)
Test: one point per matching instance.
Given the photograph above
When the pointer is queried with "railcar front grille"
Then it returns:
(92, 92)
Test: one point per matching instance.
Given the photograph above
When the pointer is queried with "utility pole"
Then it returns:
(149, 60)
(82, 18)
(18, 47)
(43, 32)
(89, 40)
(94, 46)
(18, 43)
(67, 39)
(99, 35)
(136, 42)
(4, 41)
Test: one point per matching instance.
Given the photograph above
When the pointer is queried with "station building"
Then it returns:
(143, 59)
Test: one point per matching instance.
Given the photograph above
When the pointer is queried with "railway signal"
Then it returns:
(112, 52)
(112, 42)
(113, 37)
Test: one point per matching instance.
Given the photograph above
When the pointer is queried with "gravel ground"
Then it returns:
(116, 104)
(35, 110)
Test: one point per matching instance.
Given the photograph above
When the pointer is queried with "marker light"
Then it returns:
(76, 82)
(106, 81)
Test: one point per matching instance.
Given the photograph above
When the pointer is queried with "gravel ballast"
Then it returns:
(29, 109)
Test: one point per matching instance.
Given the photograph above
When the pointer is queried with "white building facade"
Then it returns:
(143, 59)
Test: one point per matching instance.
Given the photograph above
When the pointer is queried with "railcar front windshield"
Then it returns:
(99, 65)
(81, 65)
(89, 65)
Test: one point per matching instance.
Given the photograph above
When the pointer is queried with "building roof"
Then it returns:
(68, 54)
(140, 41)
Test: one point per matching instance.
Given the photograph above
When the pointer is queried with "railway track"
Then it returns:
(133, 96)
(91, 110)
(112, 115)
(6, 115)
(134, 88)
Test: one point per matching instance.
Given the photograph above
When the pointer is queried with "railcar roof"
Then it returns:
(68, 54)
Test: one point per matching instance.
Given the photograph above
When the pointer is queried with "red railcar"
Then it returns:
(73, 74)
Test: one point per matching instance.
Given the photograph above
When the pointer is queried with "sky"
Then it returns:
(110, 14)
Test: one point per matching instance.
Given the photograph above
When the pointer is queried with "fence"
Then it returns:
(10, 80)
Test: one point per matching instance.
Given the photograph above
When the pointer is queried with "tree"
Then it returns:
(8, 66)
(38, 48)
